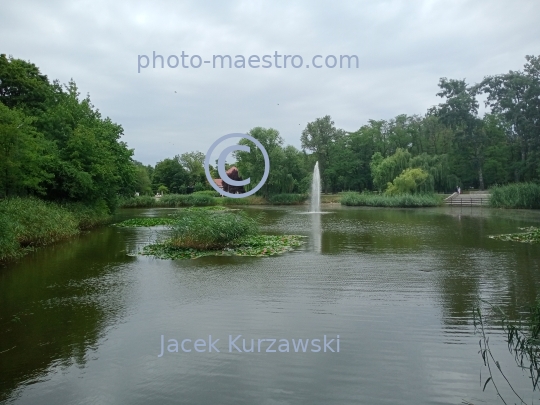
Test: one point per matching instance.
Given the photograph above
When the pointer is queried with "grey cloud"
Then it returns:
(404, 48)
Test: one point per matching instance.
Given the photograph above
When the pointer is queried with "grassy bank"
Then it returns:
(381, 200)
(27, 223)
(517, 195)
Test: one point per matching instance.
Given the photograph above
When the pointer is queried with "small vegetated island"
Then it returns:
(212, 231)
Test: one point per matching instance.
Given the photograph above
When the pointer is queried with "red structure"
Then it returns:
(233, 175)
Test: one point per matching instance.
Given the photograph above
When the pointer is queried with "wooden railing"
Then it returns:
(468, 201)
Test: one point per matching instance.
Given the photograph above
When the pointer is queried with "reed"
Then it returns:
(516, 195)
(400, 200)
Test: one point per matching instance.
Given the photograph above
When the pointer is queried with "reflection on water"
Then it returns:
(81, 321)
(316, 231)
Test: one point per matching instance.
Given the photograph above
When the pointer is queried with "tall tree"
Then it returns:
(516, 96)
(318, 137)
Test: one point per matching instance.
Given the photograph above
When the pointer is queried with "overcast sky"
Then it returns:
(403, 47)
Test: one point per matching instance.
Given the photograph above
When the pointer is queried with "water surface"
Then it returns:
(82, 320)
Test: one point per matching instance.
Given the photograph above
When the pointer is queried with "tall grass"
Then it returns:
(30, 222)
(517, 195)
(287, 199)
(251, 200)
(197, 199)
(138, 202)
(216, 229)
(185, 200)
(381, 200)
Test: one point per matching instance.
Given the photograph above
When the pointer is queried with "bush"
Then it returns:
(517, 195)
(199, 229)
(400, 200)
(287, 199)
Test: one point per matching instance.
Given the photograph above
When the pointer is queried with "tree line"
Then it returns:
(55, 145)
(450, 145)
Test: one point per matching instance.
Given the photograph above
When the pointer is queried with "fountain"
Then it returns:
(316, 190)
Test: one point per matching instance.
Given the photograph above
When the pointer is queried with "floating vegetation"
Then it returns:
(531, 235)
(258, 245)
(145, 222)
(161, 221)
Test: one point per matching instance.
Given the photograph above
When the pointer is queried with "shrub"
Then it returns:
(287, 199)
(200, 229)
(517, 195)
(400, 200)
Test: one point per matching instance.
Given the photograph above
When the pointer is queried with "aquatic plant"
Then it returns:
(210, 229)
(381, 200)
(138, 202)
(144, 222)
(530, 235)
(517, 195)
(523, 338)
(256, 245)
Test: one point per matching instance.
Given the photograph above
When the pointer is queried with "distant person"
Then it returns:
(459, 190)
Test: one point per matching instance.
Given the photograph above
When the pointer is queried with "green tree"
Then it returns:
(516, 96)
(193, 162)
(384, 170)
(22, 155)
(143, 184)
(318, 136)
(171, 174)
(460, 112)
(251, 164)
(409, 181)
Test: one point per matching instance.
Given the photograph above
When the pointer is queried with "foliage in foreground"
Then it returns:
(517, 195)
(531, 235)
(523, 338)
(258, 245)
(29, 222)
(400, 200)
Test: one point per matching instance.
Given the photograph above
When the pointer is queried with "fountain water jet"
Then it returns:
(316, 190)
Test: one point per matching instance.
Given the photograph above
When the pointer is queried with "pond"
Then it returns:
(82, 321)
